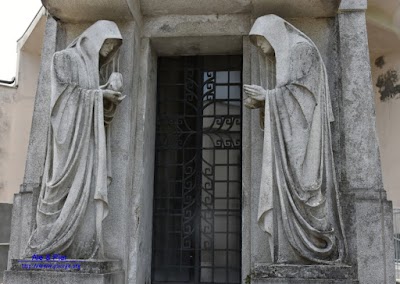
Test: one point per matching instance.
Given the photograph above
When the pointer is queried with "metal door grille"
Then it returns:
(197, 196)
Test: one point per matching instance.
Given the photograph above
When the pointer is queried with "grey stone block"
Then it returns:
(304, 271)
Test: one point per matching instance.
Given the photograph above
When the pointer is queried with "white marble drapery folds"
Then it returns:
(298, 175)
(73, 197)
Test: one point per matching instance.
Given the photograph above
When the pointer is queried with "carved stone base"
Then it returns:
(302, 274)
(65, 272)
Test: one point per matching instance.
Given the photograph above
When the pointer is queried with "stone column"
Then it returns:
(24, 203)
(141, 204)
(361, 175)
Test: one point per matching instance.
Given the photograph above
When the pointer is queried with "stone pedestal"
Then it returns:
(302, 274)
(65, 272)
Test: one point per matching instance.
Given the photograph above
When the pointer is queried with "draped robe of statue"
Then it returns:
(298, 190)
(73, 197)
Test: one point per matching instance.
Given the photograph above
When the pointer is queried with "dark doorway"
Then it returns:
(197, 194)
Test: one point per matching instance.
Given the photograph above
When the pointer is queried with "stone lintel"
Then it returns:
(295, 9)
(283, 8)
(196, 25)
(78, 11)
(179, 46)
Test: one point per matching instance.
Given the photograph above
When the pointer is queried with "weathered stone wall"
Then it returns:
(386, 82)
(7, 95)
(16, 108)
(22, 109)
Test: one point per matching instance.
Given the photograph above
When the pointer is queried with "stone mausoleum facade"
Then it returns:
(196, 187)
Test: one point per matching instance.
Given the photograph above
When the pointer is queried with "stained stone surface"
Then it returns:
(332, 274)
(303, 271)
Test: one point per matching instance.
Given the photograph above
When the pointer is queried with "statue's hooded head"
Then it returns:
(273, 34)
(100, 41)
(269, 33)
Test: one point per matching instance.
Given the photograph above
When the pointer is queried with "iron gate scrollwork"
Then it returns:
(197, 195)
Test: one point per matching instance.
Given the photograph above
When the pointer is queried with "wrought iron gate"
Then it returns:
(197, 196)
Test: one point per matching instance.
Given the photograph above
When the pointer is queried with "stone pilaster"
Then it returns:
(361, 168)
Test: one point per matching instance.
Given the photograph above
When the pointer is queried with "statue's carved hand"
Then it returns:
(113, 96)
(255, 92)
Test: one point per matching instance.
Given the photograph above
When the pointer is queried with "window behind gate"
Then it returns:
(197, 195)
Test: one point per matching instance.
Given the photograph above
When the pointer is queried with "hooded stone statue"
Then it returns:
(299, 200)
(73, 197)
